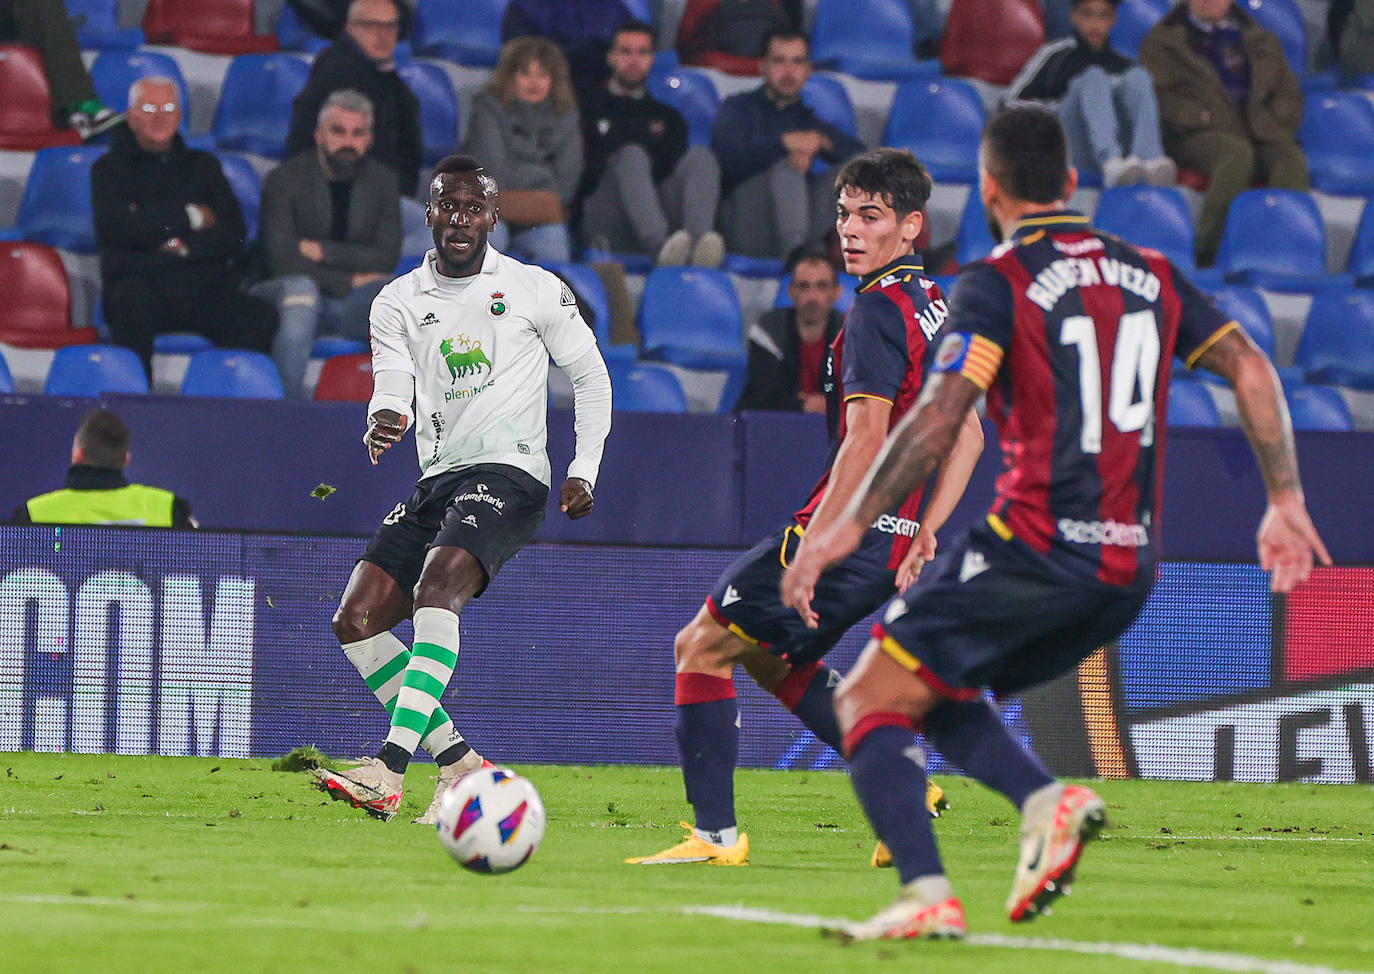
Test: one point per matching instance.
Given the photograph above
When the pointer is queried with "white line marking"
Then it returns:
(1239, 838)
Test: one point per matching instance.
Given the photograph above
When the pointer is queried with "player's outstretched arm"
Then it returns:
(1287, 540)
(949, 488)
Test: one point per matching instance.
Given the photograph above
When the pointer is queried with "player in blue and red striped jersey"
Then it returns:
(1070, 333)
(879, 358)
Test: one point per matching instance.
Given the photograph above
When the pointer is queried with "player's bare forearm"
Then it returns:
(865, 430)
(1263, 410)
(955, 472)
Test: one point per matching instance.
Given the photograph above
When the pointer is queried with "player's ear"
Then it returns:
(1070, 183)
(912, 224)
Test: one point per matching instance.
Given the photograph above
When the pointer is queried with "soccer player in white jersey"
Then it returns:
(466, 339)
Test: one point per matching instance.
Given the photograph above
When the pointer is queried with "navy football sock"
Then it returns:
(884, 764)
(708, 740)
(971, 735)
(809, 692)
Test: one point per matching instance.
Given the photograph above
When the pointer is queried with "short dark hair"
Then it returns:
(784, 34)
(636, 27)
(805, 253)
(104, 439)
(1075, 3)
(459, 164)
(1024, 148)
(895, 176)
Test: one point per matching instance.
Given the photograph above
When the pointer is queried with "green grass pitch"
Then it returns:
(202, 865)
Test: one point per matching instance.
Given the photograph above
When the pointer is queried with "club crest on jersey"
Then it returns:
(464, 357)
(950, 353)
(498, 308)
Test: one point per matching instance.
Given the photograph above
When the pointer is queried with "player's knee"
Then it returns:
(696, 649)
(350, 624)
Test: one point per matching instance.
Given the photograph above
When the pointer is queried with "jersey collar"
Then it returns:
(429, 279)
(1056, 220)
(903, 268)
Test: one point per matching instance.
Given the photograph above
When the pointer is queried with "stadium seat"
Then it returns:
(1149, 216)
(26, 108)
(691, 317)
(1259, 218)
(1248, 308)
(1318, 408)
(645, 388)
(180, 343)
(468, 32)
(93, 370)
(330, 346)
(1337, 135)
(1337, 344)
(828, 98)
(346, 378)
(292, 35)
(1190, 404)
(693, 93)
(1362, 251)
(586, 284)
(867, 38)
(848, 283)
(254, 110)
(243, 180)
(232, 373)
(1284, 18)
(114, 73)
(208, 26)
(56, 208)
(6, 382)
(973, 241)
(1134, 19)
(37, 307)
(990, 39)
(942, 122)
(98, 26)
(438, 108)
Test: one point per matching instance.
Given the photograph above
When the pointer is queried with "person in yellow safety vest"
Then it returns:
(97, 492)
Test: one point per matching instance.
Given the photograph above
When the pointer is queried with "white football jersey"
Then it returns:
(480, 358)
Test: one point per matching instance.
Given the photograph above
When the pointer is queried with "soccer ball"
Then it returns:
(491, 820)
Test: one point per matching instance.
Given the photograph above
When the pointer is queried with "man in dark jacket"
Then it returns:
(645, 190)
(364, 58)
(170, 231)
(1105, 100)
(788, 347)
(769, 143)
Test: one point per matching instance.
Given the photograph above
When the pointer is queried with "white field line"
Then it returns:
(1227, 837)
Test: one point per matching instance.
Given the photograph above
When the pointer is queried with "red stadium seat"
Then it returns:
(37, 307)
(346, 378)
(991, 39)
(211, 26)
(26, 108)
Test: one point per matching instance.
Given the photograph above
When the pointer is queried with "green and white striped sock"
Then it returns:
(426, 676)
(381, 661)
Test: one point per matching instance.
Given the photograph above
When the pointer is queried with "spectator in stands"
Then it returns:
(1350, 28)
(363, 58)
(96, 490)
(728, 34)
(646, 190)
(524, 128)
(170, 234)
(788, 346)
(775, 155)
(326, 18)
(1105, 100)
(44, 24)
(1229, 103)
(330, 234)
(582, 28)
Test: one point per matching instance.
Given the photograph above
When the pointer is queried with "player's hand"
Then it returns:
(1288, 541)
(813, 557)
(922, 551)
(575, 498)
(385, 428)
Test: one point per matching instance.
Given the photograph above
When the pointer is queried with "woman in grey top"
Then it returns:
(524, 127)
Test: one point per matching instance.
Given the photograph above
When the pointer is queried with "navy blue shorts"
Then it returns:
(490, 510)
(747, 598)
(995, 613)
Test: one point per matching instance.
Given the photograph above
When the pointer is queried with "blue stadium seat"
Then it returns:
(586, 284)
(254, 110)
(691, 317)
(1362, 251)
(180, 343)
(56, 208)
(99, 26)
(1337, 344)
(92, 370)
(438, 108)
(1318, 408)
(468, 32)
(1284, 18)
(870, 39)
(1149, 216)
(232, 373)
(114, 73)
(942, 122)
(1337, 135)
(329, 346)
(645, 388)
(1247, 307)
(692, 92)
(1190, 404)
(848, 282)
(1134, 19)
(827, 97)
(292, 35)
(1260, 218)
(243, 180)
(6, 382)
(973, 241)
